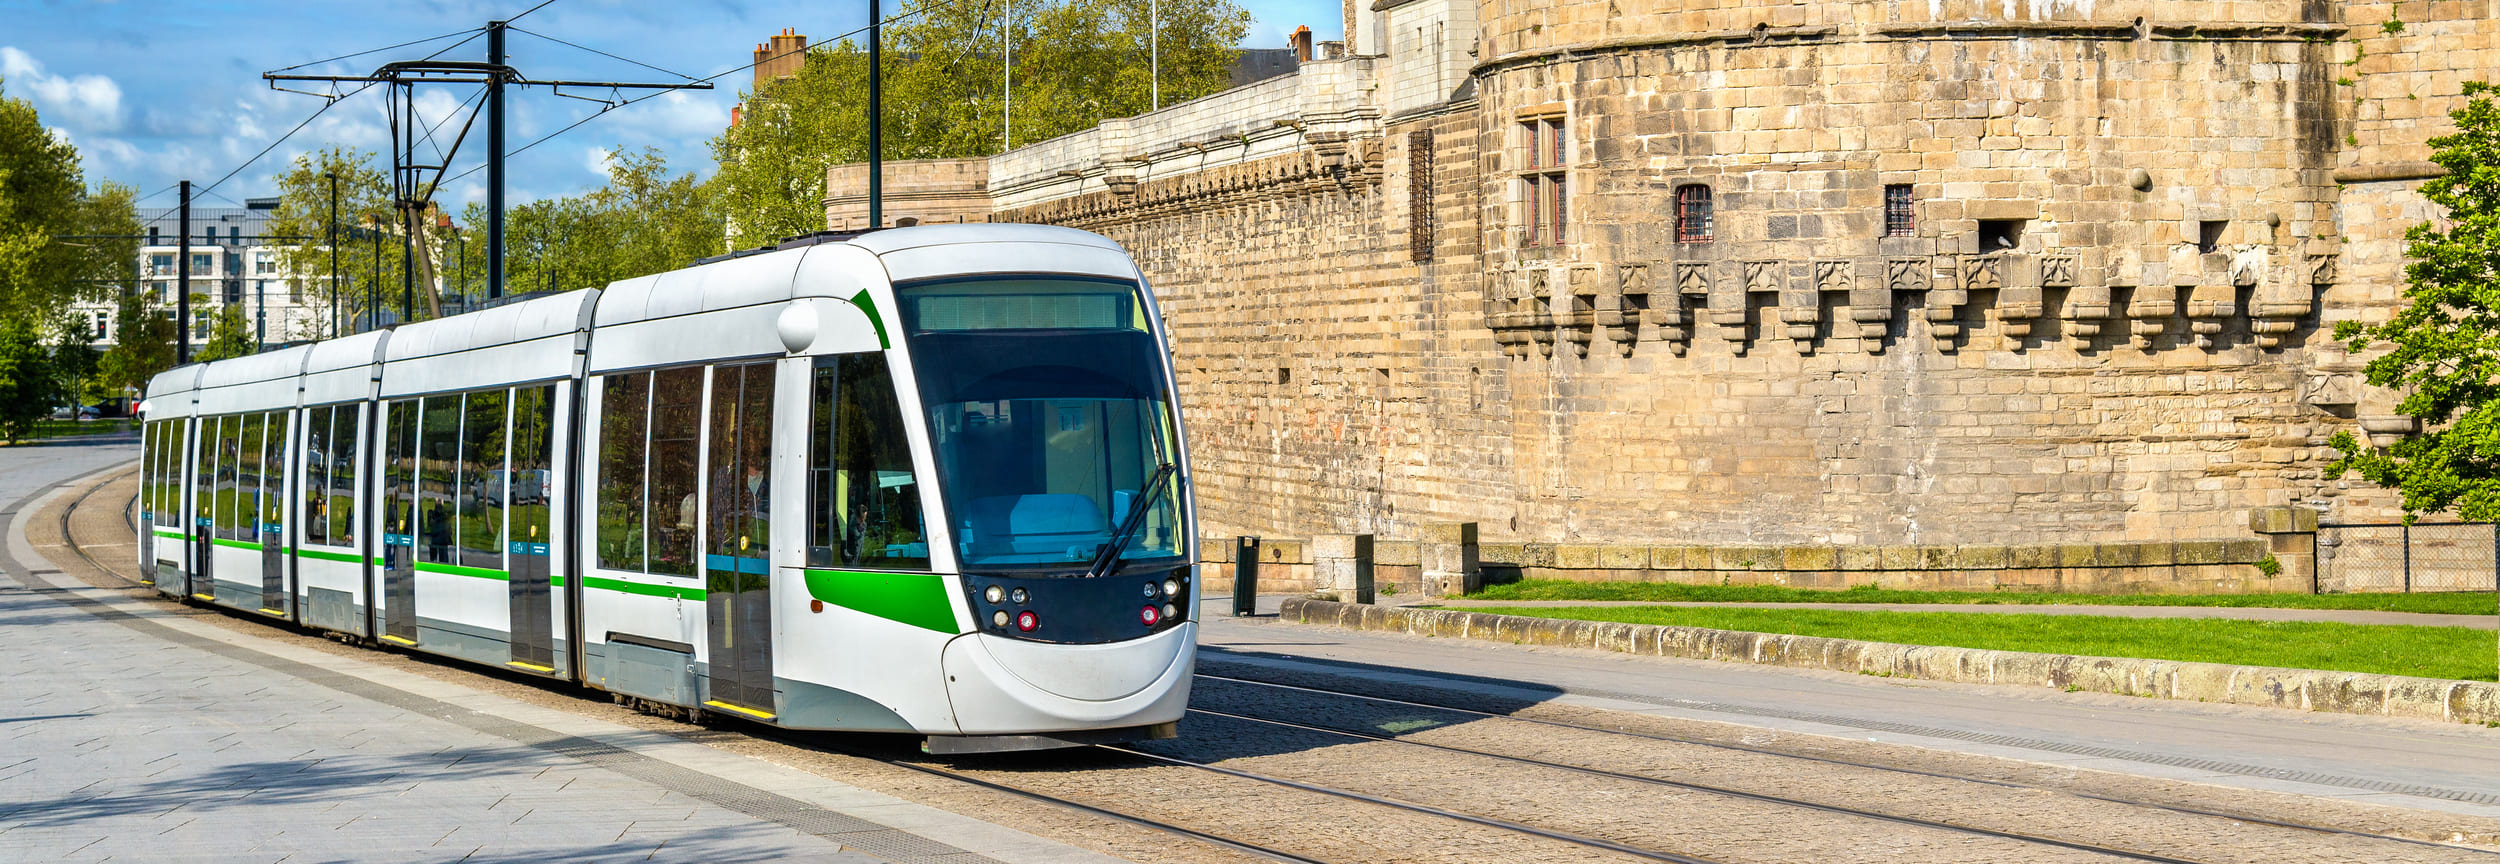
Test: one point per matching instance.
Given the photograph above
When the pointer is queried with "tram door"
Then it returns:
(399, 513)
(738, 578)
(273, 462)
(526, 490)
(200, 581)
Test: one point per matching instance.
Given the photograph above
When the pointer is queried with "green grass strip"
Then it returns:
(2426, 652)
(2447, 603)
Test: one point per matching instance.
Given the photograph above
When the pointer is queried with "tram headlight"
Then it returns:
(1150, 591)
(995, 594)
(1027, 621)
(1170, 610)
(999, 617)
(1171, 588)
(1019, 596)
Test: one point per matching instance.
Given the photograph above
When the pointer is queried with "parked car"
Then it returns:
(82, 412)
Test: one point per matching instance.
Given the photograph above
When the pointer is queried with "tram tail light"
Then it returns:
(1149, 616)
(1026, 621)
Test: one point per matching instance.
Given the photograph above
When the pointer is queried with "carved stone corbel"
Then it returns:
(2149, 312)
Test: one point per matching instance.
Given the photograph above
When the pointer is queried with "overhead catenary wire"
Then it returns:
(896, 17)
(380, 50)
(603, 53)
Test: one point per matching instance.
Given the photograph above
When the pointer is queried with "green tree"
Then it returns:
(28, 391)
(2444, 346)
(643, 221)
(229, 336)
(371, 256)
(142, 347)
(1077, 63)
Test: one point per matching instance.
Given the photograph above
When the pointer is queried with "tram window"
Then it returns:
(229, 476)
(398, 467)
(272, 496)
(340, 507)
(247, 476)
(203, 473)
(676, 418)
(438, 479)
(316, 473)
(624, 417)
(533, 449)
(481, 498)
(742, 424)
(863, 499)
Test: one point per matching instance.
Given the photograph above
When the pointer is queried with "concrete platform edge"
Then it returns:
(2300, 689)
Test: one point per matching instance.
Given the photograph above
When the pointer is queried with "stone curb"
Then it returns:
(2303, 689)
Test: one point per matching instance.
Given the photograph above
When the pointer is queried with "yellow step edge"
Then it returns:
(530, 666)
(204, 597)
(399, 640)
(268, 611)
(760, 715)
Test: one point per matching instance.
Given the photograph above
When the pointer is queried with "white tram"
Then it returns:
(925, 480)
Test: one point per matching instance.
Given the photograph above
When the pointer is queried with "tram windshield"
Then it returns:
(1049, 413)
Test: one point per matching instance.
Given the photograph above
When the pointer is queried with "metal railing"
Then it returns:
(2392, 556)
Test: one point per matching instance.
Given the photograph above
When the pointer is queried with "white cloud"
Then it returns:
(87, 103)
(597, 159)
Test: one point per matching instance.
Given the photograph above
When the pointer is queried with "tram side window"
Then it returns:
(398, 468)
(482, 470)
(533, 450)
(438, 479)
(863, 499)
(273, 469)
(316, 473)
(340, 507)
(230, 477)
(669, 513)
(624, 414)
(247, 476)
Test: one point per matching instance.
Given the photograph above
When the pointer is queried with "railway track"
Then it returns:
(1099, 783)
(1807, 757)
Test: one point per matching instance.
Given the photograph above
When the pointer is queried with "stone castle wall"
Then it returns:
(2191, 194)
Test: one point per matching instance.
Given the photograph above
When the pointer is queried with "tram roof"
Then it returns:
(284, 363)
(537, 318)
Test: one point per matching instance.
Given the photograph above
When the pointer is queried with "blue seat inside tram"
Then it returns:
(1035, 528)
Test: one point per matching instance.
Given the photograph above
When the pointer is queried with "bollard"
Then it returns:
(1245, 576)
(1363, 570)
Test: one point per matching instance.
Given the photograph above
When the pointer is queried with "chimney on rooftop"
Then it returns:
(780, 58)
(1302, 43)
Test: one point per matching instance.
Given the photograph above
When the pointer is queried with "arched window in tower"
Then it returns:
(1692, 213)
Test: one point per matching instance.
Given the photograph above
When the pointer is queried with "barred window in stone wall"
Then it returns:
(1692, 213)
(1419, 226)
(1544, 187)
(1900, 211)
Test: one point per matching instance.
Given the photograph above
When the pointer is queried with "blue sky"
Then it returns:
(155, 92)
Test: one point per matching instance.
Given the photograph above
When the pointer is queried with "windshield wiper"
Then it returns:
(1110, 554)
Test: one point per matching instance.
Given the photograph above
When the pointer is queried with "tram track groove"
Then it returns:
(1811, 758)
(1717, 790)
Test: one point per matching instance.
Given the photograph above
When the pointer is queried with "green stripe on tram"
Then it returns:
(869, 306)
(237, 544)
(917, 599)
(620, 585)
(319, 555)
(457, 570)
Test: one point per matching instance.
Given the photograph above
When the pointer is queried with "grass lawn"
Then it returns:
(2452, 603)
(2427, 652)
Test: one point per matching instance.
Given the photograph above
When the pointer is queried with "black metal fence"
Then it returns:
(2448, 556)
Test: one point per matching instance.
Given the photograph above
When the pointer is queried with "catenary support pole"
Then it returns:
(1007, 90)
(335, 328)
(876, 116)
(182, 279)
(494, 162)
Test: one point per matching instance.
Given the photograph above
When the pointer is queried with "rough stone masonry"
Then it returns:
(1827, 272)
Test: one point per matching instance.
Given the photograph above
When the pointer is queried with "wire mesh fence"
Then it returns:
(2454, 556)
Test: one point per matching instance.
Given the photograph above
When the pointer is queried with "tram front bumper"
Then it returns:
(1006, 686)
